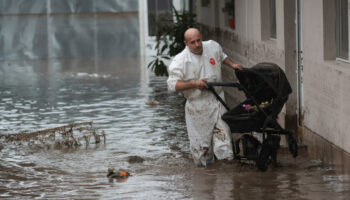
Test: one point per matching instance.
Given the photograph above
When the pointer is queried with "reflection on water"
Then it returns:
(34, 95)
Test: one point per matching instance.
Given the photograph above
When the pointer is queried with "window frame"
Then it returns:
(342, 31)
(267, 16)
(273, 20)
(229, 17)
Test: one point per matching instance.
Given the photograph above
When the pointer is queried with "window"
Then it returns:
(192, 6)
(268, 19)
(273, 19)
(342, 29)
(205, 3)
(229, 11)
(159, 15)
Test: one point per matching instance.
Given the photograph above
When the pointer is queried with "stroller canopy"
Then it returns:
(264, 81)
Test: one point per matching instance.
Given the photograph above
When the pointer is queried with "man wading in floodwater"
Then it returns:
(189, 71)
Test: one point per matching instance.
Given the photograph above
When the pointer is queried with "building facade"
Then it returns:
(309, 40)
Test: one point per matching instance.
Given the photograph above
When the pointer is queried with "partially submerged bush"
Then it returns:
(69, 136)
(170, 41)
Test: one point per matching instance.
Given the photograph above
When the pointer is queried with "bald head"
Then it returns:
(193, 40)
(191, 32)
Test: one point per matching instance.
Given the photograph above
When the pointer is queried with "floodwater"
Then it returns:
(113, 92)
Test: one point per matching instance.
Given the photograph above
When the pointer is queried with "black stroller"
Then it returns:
(266, 89)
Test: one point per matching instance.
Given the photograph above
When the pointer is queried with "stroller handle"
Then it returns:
(225, 84)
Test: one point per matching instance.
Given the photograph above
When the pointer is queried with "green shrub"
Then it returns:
(170, 41)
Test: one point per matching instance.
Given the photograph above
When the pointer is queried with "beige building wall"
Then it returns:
(246, 43)
(326, 80)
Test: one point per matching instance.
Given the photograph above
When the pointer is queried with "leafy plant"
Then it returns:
(170, 41)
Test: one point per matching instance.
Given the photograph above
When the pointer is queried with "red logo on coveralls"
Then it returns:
(212, 61)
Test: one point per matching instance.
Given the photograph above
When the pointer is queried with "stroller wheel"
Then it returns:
(262, 160)
(293, 146)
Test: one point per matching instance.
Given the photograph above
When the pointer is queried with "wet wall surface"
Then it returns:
(112, 92)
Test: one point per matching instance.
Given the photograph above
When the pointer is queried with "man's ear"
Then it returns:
(185, 42)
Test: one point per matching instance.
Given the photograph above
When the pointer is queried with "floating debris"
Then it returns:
(120, 174)
(152, 103)
(68, 136)
(135, 159)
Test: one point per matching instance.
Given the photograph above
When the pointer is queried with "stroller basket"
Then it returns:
(240, 120)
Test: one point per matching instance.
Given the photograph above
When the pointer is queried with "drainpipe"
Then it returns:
(48, 24)
(144, 39)
(299, 64)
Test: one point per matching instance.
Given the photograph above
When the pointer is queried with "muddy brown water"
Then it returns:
(149, 141)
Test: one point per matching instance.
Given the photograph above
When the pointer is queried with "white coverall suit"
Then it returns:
(207, 132)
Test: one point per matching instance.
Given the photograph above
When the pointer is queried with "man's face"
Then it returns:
(194, 43)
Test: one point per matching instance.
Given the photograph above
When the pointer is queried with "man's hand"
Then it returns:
(230, 63)
(237, 66)
(201, 84)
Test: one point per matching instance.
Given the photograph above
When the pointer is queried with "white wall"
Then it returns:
(326, 82)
